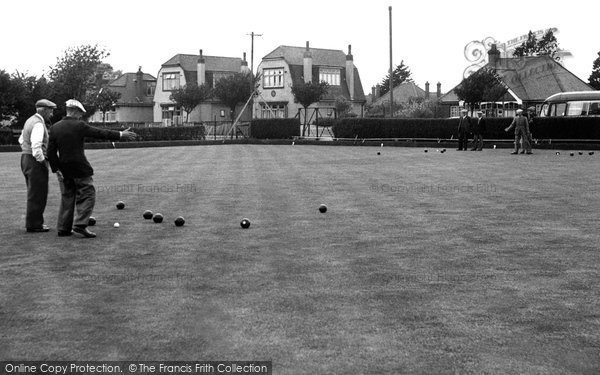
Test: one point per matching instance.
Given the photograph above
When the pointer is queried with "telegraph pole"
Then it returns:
(252, 35)
(391, 69)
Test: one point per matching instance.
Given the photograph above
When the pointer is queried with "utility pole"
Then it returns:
(252, 35)
(391, 69)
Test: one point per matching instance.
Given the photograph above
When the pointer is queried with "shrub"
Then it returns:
(279, 128)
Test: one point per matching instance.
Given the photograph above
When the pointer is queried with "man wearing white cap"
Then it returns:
(34, 164)
(521, 125)
(74, 172)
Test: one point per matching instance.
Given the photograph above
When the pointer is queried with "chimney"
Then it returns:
(427, 90)
(350, 72)
(244, 68)
(377, 90)
(373, 92)
(439, 90)
(493, 55)
(307, 65)
(201, 69)
(140, 88)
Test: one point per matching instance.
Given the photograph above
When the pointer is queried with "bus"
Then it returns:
(573, 103)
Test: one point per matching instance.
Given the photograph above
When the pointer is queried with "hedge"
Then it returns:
(541, 128)
(279, 128)
(172, 133)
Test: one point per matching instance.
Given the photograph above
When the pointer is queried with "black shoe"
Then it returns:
(473, 149)
(514, 153)
(459, 149)
(84, 232)
(65, 233)
(522, 152)
(43, 229)
(529, 153)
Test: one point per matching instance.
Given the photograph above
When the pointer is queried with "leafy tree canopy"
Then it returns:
(234, 90)
(594, 79)
(484, 85)
(190, 96)
(547, 46)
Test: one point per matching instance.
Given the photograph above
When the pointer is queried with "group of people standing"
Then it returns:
(61, 149)
(477, 127)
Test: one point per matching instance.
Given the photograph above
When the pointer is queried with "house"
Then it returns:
(286, 64)
(136, 101)
(403, 94)
(529, 80)
(182, 70)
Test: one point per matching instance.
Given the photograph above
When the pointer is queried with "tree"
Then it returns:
(190, 96)
(73, 76)
(595, 76)
(307, 94)
(528, 47)
(401, 74)
(105, 101)
(234, 90)
(547, 46)
(18, 94)
(10, 95)
(343, 107)
(483, 85)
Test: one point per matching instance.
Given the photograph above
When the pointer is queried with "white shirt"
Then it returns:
(37, 139)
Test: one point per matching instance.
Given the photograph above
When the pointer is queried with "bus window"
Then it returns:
(576, 109)
(544, 110)
(594, 109)
(558, 109)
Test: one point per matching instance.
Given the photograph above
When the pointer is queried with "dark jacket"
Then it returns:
(464, 124)
(66, 146)
(479, 127)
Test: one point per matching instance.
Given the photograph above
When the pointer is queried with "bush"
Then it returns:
(279, 128)
(541, 128)
(164, 134)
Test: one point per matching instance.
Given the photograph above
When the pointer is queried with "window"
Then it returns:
(594, 109)
(273, 111)
(558, 109)
(150, 87)
(330, 75)
(454, 111)
(171, 115)
(170, 81)
(576, 108)
(273, 78)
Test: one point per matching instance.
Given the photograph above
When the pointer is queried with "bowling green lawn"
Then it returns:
(430, 263)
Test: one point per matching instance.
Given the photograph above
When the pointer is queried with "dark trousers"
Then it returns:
(462, 140)
(522, 135)
(477, 141)
(75, 192)
(36, 178)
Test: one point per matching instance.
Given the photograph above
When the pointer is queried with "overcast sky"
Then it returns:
(430, 36)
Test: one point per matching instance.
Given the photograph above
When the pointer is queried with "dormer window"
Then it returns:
(170, 81)
(273, 78)
(330, 75)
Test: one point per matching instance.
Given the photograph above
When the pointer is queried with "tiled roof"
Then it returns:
(403, 92)
(126, 85)
(213, 63)
(533, 79)
(295, 56)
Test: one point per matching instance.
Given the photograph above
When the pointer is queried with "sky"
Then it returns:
(429, 36)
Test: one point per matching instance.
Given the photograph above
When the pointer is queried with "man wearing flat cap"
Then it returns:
(521, 125)
(74, 172)
(34, 164)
